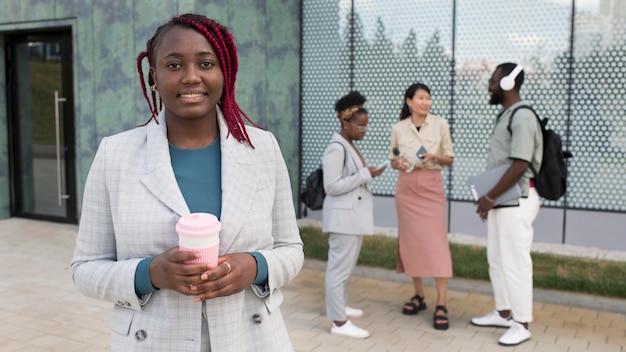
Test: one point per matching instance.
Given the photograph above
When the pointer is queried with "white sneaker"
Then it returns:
(493, 319)
(515, 335)
(353, 312)
(349, 330)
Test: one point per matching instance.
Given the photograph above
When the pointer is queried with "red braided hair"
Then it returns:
(224, 46)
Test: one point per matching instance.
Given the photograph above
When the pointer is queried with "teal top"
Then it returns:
(198, 173)
(199, 176)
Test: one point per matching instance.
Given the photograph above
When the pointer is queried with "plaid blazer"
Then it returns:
(130, 208)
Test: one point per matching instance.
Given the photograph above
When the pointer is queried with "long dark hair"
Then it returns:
(222, 41)
(409, 94)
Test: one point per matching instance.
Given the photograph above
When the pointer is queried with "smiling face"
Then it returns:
(187, 74)
(420, 103)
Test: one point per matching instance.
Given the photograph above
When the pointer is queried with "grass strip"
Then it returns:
(553, 272)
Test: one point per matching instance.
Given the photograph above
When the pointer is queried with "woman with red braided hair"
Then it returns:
(195, 154)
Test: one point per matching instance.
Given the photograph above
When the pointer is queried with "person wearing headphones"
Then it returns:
(509, 224)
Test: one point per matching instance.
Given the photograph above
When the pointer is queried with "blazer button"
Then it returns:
(359, 197)
(140, 335)
(257, 318)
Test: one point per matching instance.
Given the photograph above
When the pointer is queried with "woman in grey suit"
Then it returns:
(195, 155)
(348, 210)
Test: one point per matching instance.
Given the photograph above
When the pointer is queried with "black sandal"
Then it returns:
(440, 322)
(410, 308)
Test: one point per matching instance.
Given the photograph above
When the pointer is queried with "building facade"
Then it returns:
(574, 57)
(68, 78)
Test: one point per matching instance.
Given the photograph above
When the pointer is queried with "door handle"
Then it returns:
(58, 100)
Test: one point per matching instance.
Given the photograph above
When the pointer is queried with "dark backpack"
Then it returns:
(313, 194)
(551, 180)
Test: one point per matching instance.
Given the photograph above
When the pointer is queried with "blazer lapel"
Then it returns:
(159, 178)
(353, 161)
(239, 182)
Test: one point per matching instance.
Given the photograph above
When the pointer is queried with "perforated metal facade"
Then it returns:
(575, 75)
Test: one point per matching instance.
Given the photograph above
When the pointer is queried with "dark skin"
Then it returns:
(517, 168)
(353, 129)
(190, 82)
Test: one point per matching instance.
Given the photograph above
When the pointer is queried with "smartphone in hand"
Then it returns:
(383, 164)
(419, 152)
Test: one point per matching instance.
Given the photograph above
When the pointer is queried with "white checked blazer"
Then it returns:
(130, 208)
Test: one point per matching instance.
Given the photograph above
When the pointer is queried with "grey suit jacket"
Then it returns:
(348, 206)
(130, 208)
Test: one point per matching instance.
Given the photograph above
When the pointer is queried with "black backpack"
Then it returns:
(551, 180)
(313, 194)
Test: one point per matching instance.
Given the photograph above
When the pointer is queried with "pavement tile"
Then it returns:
(64, 320)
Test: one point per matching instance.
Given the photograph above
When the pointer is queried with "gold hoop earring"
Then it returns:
(154, 88)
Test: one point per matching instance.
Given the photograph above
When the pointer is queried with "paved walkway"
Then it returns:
(41, 311)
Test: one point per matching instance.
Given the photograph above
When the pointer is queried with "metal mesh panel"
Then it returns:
(598, 131)
(389, 44)
(321, 68)
(492, 32)
(380, 52)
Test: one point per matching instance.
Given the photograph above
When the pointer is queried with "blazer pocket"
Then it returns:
(121, 320)
(273, 301)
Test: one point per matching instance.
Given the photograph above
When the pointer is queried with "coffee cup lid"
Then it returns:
(198, 224)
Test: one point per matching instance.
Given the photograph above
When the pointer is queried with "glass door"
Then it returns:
(41, 124)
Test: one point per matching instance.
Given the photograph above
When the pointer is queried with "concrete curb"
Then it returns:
(606, 304)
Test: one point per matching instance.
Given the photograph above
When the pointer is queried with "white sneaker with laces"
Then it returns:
(349, 330)
(353, 312)
(515, 335)
(493, 319)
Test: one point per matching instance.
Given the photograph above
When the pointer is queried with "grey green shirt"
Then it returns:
(524, 142)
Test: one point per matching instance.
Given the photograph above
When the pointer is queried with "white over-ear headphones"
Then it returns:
(508, 82)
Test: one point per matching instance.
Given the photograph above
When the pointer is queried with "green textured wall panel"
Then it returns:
(283, 79)
(217, 10)
(114, 51)
(147, 18)
(33, 10)
(85, 92)
(248, 26)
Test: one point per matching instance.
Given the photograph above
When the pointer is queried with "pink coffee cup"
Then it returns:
(199, 232)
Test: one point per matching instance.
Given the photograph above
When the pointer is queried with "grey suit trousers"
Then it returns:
(343, 252)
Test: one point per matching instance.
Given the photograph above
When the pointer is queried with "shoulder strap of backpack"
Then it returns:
(345, 156)
(541, 125)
